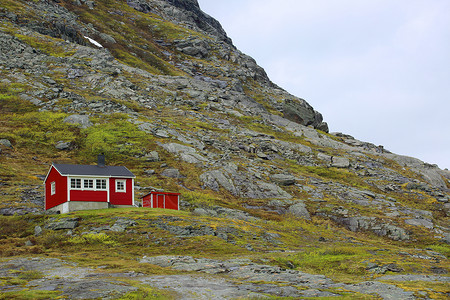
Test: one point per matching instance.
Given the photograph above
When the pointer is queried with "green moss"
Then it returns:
(46, 45)
(119, 140)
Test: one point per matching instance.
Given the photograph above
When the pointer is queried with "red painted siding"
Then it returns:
(171, 202)
(121, 198)
(94, 196)
(60, 195)
(161, 200)
(147, 201)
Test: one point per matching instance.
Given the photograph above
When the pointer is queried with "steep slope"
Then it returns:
(159, 87)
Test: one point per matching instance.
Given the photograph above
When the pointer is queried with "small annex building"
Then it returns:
(82, 187)
(156, 199)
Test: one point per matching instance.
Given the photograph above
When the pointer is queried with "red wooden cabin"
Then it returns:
(80, 187)
(161, 200)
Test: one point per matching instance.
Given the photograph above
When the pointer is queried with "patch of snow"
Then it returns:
(94, 42)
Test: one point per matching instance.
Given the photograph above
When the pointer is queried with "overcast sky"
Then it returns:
(378, 70)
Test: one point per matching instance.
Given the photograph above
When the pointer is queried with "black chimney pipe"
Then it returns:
(101, 160)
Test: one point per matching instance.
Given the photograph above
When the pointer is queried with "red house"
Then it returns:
(161, 200)
(80, 187)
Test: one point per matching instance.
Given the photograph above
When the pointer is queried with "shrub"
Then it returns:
(92, 239)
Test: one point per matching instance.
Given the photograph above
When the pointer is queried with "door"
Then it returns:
(160, 201)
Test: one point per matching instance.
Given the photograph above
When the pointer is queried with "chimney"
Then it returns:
(101, 160)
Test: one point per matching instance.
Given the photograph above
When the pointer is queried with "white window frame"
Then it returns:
(100, 184)
(124, 184)
(88, 184)
(75, 186)
(52, 188)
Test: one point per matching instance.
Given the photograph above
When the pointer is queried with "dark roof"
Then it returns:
(93, 170)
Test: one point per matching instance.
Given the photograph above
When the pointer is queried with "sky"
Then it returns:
(378, 70)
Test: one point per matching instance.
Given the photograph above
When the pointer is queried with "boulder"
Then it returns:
(283, 179)
(81, 120)
(6, 143)
(61, 145)
(301, 112)
(188, 154)
(66, 223)
(215, 179)
(420, 222)
(172, 173)
(340, 162)
(152, 156)
(299, 210)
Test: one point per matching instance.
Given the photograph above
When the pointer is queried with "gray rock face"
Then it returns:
(81, 120)
(420, 222)
(301, 112)
(153, 156)
(299, 210)
(283, 179)
(61, 145)
(6, 143)
(371, 224)
(215, 179)
(64, 223)
(340, 162)
(172, 173)
(186, 153)
(122, 224)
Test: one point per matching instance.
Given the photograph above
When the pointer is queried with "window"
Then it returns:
(88, 183)
(100, 184)
(75, 183)
(120, 185)
(53, 188)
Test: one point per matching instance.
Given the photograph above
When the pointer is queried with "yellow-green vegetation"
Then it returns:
(30, 295)
(146, 292)
(38, 131)
(10, 102)
(134, 33)
(46, 44)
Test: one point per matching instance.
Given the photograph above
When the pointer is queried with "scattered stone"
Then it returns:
(37, 230)
(299, 210)
(152, 156)
(81, 120)
(6, 143)
(172, 173)
(283, 179)
(340, 162)
(64, 223)
(61, 145)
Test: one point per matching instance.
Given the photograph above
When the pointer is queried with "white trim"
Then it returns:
(48, 173)
(52, 188)
(97, 176)
(82, 184)
(124, 181)
(108, 192)
(68, 188)
(132, 190)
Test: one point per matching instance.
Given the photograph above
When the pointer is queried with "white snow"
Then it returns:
(94, 42)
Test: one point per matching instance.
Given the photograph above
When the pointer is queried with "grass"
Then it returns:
(47, 45)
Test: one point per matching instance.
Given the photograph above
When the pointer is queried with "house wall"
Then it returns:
(161, 200)
(94, 196)
(78, 205)
(147, 201)
(60, 195)
(171, 202)
(121, 198)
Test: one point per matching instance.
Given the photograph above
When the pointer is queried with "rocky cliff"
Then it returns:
(159, 87)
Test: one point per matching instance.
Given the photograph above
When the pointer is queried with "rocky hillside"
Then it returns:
(158, 86)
